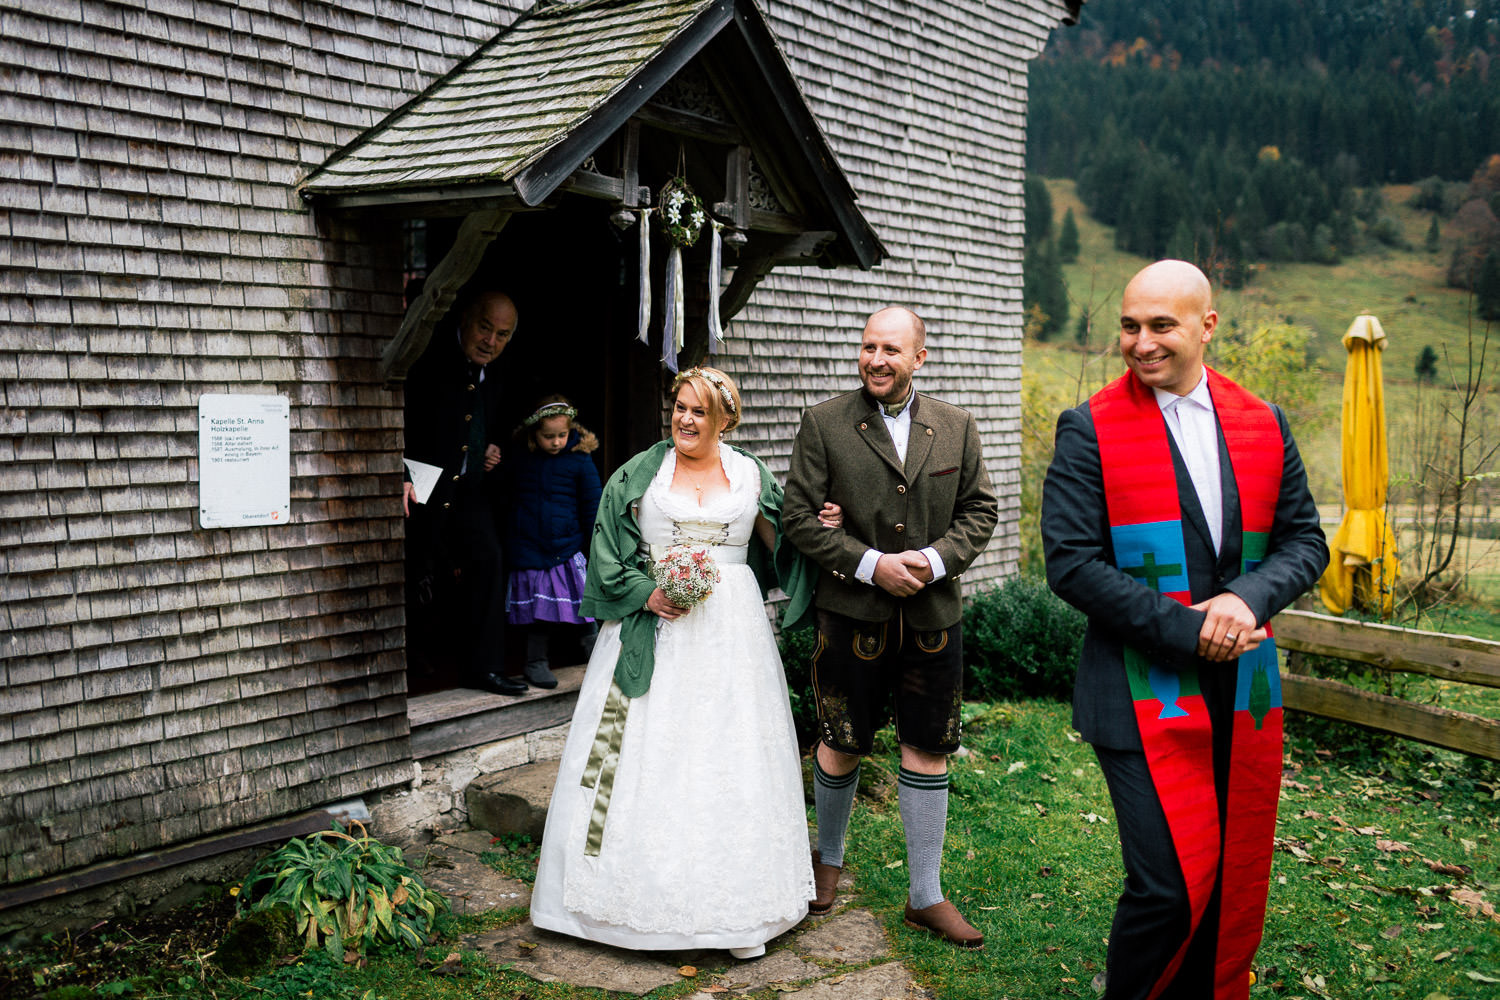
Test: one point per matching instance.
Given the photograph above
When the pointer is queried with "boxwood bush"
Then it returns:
(1020, 641)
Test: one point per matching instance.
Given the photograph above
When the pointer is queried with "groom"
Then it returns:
(917, 510)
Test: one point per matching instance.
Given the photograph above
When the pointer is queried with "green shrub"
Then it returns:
(1020, 641)
(347, 892)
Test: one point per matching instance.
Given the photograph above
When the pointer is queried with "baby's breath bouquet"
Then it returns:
(686, 574)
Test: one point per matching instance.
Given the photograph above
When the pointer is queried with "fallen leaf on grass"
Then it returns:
(1440, 956)
(895, 864)
(1392, 932)
(452, 965)
(687, 971)
(1474, 902)
(783, 987)
(528, 945)
(716, 988)
(836, 979)
(1392, 846)
(1480, 977)
(1443, 868)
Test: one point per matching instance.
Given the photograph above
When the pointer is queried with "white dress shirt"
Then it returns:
(1191, 420)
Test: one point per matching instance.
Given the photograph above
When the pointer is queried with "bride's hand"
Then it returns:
(831, 516)
(659, 606)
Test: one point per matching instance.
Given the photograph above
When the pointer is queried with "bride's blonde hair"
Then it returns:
(716, 391)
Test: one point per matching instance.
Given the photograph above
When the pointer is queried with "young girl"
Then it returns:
(552, 497)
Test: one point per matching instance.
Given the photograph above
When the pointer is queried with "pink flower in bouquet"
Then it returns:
(686, 574)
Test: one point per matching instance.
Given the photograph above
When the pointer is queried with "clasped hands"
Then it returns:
(902, 573)
(1228, 628)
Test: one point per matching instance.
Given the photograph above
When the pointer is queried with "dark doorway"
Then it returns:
(573, 277)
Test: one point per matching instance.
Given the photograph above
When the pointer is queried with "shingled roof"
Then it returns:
(501, 110)
(533, 103)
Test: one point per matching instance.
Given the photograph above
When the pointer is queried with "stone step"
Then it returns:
(512, 801)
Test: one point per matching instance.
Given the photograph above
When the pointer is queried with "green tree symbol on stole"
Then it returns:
(1260, 695)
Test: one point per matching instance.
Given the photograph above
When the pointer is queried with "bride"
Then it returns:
(678, 818)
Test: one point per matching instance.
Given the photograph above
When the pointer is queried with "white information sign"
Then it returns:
(244, 460)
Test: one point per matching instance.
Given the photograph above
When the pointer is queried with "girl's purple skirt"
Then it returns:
(548, 595)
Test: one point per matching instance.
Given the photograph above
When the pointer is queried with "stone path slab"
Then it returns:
(451, 865)
(844, 956)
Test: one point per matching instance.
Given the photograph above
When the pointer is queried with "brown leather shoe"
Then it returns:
(944, 920)
(825, 884)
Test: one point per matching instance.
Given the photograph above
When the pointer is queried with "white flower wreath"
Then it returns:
(682, 213)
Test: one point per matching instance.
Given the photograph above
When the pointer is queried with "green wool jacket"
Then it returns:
(619, 577)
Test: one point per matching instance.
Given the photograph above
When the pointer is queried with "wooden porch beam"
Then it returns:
(477, 232)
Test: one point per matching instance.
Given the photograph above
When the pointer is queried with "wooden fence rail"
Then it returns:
(1449, 657)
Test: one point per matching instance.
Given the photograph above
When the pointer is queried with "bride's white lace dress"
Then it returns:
(705, 840)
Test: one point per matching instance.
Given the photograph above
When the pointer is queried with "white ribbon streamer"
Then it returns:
(715, 257)
(672, 322)
(643, 311)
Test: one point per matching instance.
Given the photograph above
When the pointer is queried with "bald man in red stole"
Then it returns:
(1176, 516)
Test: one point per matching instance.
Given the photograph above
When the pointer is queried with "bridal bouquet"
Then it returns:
(686, 574)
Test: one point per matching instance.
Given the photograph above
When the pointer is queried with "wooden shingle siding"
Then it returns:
(925, 106)
(159, 682)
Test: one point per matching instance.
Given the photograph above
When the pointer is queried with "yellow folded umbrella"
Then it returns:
(1363, 567)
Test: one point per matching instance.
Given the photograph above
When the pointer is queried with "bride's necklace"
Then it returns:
(696, 482)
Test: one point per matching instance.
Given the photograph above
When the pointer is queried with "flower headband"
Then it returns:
(713, 378)
(550, 410)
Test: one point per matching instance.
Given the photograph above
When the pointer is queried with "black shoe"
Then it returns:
(538, 675)
(501, 684)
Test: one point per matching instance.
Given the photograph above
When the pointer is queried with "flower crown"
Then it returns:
(550, 410)
(713, 378)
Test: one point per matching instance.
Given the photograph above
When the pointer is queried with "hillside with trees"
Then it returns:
(1233, 132)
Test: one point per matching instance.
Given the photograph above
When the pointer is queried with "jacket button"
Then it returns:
(901, 488)
(900, 528)
(447, 505)
(468, 417)
(471, 387)
(464, 448)
(455, 479)
(864, 427)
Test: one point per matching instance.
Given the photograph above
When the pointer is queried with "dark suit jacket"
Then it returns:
(1120, 608)
(442, 393)
(941, 497)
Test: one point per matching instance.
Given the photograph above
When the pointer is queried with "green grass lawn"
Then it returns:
(1381, 853)
(1384, 884)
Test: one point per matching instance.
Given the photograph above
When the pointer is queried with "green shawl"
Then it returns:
(619, 578)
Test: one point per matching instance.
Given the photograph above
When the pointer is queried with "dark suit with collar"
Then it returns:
(940, 496)
(1152, 916)
(455, 528)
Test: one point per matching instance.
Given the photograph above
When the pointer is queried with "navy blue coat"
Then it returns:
(550, 505)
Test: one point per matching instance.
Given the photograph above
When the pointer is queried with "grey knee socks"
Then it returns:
(924, 817)
(833, 798)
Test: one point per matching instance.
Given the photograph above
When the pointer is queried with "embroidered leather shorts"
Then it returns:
(860, 667)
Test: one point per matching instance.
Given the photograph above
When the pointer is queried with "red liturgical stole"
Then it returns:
(1145, 518)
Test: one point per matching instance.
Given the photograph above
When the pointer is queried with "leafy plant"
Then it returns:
(346, 891)
(1020, 641)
